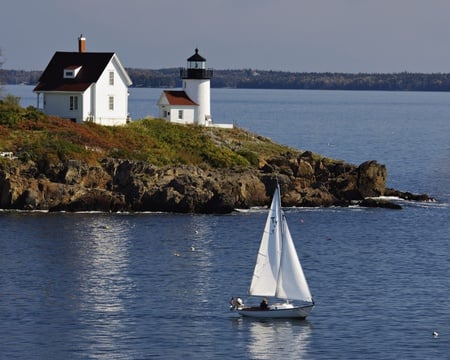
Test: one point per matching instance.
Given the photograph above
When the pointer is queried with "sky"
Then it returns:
(371, 36)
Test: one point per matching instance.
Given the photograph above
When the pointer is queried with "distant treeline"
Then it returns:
(263, 79)
(12, 77)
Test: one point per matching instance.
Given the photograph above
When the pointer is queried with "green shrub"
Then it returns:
(10, 110)
(11, 113)
(251, 156)
(33, 114)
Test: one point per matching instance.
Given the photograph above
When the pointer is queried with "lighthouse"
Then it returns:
(191, 104)
(196, 85)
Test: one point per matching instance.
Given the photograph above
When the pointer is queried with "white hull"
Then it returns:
(299, 312)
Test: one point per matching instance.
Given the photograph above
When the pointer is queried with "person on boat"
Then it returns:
(264, 305)
(232, 302)
(236, 303)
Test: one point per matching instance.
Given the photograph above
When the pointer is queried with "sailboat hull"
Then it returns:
(299, 312)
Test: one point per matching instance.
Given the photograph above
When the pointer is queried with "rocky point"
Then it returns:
(122, 185)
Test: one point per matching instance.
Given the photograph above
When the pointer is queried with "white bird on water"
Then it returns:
(435, 334)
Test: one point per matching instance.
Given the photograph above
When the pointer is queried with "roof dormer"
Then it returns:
(71, 72)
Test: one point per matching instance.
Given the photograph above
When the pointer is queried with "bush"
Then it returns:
(12, 113)
(34, 114)
(10, 110)
(251, 157)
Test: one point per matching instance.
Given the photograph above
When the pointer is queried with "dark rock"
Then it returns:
(121, 185)
(379, 203)
(408, 196)
(371, 179)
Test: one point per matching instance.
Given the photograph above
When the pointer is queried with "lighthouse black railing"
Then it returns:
(196, 73)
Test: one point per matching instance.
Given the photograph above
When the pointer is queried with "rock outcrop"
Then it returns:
(122, 185)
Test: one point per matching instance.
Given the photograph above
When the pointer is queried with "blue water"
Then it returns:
(140, 286)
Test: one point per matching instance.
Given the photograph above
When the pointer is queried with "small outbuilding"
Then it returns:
(176, 106)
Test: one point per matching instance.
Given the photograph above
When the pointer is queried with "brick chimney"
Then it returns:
(81, 44)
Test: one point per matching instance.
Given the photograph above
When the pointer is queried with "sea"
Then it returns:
(157, 285)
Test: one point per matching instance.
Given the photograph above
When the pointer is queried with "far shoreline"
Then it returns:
(271, 80)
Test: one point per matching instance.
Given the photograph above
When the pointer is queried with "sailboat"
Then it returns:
(278, 273)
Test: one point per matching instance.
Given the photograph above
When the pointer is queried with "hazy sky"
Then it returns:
(291, 35)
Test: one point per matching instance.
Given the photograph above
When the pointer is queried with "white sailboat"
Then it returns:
(278, 273)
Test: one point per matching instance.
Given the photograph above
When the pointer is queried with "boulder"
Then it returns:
(371, 179)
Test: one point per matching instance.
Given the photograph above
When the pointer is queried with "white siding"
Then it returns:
(119, 91)
(59, 104)
(163, 106)
(199, 91)
(86, 104)
(188, 114)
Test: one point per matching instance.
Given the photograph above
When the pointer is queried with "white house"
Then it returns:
(191, 105)
(85, 86)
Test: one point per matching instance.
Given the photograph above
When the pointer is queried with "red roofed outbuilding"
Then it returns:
(176, 106)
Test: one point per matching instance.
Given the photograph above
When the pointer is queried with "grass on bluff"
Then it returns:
(31, 135)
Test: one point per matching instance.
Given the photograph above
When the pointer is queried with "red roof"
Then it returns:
(178, 97)
(92, 66)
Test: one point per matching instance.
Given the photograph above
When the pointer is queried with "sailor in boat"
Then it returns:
(264, 305)
(239, 303)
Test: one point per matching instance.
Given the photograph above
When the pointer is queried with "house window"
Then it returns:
(180, 114)
(111, 78)
(73, 103)
(71, 72)
(111, 103)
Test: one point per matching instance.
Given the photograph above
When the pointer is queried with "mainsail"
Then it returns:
(278, 272)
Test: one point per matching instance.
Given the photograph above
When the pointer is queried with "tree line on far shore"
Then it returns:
(268, 79)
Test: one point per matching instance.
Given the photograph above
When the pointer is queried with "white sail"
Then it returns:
(291, 281)
(265, 274)
(278, 272)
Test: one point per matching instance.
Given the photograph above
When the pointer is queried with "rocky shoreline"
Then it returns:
(115, 185)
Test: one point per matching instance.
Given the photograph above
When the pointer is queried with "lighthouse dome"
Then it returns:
(196, 57)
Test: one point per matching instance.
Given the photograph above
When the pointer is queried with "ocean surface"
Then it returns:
(155, 285)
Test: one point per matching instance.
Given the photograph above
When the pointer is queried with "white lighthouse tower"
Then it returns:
(196, 85)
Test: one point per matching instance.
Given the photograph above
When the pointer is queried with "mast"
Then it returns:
(280, 216)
